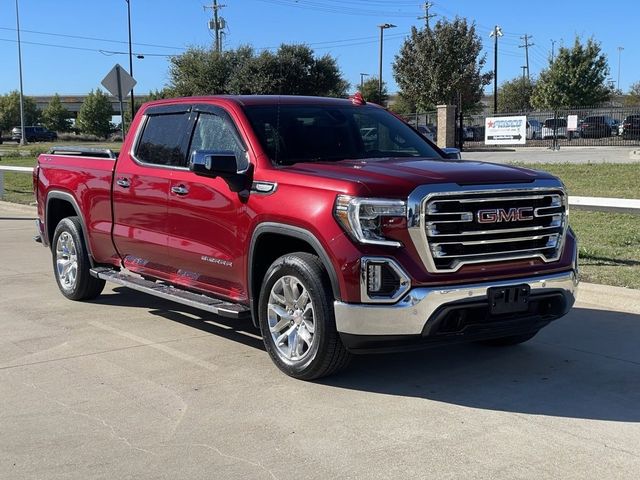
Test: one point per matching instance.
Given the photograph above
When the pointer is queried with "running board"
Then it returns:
(174, 294)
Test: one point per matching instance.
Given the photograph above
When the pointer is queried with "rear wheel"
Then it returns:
(297, 320)
(71, 262)
(511, 340)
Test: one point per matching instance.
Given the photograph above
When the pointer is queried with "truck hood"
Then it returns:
(398, 176)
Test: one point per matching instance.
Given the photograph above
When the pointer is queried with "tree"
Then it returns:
(55, 117)
(95, 114)
(292, 70)
(10, 111)
(370, 91)
(437, 66)
(575, 78)
(515, 95)
(633, 98)
(402, 105)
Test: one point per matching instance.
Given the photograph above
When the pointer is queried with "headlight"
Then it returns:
(362, 217)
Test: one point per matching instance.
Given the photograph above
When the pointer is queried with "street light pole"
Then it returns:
(133, 107)
(495, 33)
(620, 49)
(362, 75)
(23, 136)
(382, 29)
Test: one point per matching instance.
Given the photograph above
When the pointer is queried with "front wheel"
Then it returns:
(71, 262)
(296, 318)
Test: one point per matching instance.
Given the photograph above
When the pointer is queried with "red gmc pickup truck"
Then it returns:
(336, 227)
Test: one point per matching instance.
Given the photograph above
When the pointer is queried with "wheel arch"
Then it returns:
(61, 205)
(270, 241)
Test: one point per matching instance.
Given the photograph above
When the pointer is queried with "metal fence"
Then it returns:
(597, 126)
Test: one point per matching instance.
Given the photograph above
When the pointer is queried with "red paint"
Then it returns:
(201, 240)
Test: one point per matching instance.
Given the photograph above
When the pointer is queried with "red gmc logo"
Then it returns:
(497, 215)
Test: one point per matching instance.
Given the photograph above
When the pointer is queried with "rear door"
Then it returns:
(206, 219)
(141, 188)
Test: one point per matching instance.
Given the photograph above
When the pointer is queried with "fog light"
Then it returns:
(374, 277)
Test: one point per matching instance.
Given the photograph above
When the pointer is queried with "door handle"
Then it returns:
(180, 190)
(123, 182)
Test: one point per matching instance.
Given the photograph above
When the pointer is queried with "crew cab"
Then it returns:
(332, 224)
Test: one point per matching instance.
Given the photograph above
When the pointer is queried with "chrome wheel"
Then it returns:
(66, 261)
(291, 319)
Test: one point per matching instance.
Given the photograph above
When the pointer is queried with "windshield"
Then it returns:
(322, 133)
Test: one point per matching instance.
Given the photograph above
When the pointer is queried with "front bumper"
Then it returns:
(418, 311)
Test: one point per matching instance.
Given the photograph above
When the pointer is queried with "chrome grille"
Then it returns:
(477, 227)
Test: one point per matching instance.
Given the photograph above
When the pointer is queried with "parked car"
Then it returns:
(426, 132)
(598, 126)
(534, 129)
(273, 209)
(36, 133)
(554, 126)
(631, 127)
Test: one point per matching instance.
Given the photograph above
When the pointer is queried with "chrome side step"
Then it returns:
(174, 294)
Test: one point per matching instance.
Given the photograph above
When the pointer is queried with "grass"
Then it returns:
(609, 243)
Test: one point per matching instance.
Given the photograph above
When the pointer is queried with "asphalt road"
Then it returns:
(129, 386)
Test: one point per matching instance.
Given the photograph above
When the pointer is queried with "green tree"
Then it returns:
(402, 105)
(370, 91)
(55, 117)
(292, 70)
(10, 111)
(515, 95)
(95, 114)
(437, 66)
(575, 78)
(633, 97)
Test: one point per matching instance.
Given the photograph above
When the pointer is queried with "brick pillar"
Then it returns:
(446, 126)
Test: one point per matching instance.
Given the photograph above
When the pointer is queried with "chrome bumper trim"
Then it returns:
(415, 309)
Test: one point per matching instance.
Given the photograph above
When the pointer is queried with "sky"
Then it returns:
(68, 46)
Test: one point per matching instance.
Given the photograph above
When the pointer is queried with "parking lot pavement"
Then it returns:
(129, 386)
(564, 155)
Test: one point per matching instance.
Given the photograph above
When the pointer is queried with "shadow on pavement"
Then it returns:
(586, 365)
(241, 331)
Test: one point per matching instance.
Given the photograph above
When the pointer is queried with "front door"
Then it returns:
(207, 220)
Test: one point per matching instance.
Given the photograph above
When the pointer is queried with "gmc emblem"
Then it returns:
(497, 215)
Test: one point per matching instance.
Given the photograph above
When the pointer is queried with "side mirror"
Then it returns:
(212, 163)
(451, 153)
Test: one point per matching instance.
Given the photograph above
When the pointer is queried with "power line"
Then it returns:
(217, 24)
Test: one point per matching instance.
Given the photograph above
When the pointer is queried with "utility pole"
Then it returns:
(133, 103)
(427, 16)
(217, 24)
(495, 33)
(23, 136)
(553, 49)
(362, 75)
(523, 67)
(382, 28)
(526, 46)
(620, 49)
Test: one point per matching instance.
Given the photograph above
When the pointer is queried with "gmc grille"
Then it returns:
(478, 227)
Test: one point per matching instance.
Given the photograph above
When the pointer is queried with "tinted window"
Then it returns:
(315, 133)
(213, 132)
(558, 123)
(163, 140)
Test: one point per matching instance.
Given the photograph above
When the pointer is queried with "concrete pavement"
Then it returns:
(129, 386)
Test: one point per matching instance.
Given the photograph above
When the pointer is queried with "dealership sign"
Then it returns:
(505, 130)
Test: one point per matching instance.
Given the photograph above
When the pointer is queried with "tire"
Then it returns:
(301, 339)
(71, 262)
(509, 341)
